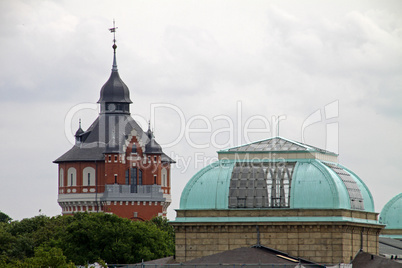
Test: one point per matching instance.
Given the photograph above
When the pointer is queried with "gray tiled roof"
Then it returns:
(107, 134)
(390, 246)
(252, 255)
(152, 147)
(82, 154)
(367, 260)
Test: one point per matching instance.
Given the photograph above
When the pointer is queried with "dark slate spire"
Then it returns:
(149, 132)
(78, 137)
(114, 95)
(152, 147)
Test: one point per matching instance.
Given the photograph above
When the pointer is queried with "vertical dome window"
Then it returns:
(261, 185)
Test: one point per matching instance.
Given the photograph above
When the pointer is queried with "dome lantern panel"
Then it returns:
(356, 198)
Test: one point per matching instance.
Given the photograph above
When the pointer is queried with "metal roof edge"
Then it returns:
(273, 219)
(86, 160)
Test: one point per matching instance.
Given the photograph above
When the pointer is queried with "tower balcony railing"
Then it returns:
(118, 192)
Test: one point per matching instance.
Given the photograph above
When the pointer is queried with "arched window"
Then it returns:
(164, 177)
(88, 176)
(61, 178)
(72, 177)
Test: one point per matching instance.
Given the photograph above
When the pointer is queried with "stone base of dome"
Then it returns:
(392, 233)
(323, 236)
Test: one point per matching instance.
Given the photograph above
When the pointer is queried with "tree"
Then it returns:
(84, 238)
(4, 218)
(163, 224)
(48, 258)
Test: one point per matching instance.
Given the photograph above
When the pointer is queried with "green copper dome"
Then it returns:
(249, 177)
(391, 214)
(313, 185)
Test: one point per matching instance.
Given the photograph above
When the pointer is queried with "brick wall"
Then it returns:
(113, 170)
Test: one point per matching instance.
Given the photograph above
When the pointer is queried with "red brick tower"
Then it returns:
(114, 166)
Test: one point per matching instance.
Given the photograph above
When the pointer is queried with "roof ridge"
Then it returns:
(304, 146)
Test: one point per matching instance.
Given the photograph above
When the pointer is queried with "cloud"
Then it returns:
(275, 57)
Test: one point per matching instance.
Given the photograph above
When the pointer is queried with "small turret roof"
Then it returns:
(152, 147)
(79, 131)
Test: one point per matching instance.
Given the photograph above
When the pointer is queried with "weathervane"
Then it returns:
(113, 30)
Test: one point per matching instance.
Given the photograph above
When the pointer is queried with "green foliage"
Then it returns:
(163, 224)
(83, 238)
(48, 258)
(4, 217)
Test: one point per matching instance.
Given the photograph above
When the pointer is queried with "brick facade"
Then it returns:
(83, 196)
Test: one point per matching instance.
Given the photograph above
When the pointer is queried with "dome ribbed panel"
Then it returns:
(208, 189)
(314, 186)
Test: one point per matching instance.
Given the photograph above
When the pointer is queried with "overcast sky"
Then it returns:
(223, 65)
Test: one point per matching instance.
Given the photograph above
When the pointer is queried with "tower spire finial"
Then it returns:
(113, 30)
(150, 132)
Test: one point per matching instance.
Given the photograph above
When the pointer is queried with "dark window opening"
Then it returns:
(140, 177)
(127, 177)
(133, 180)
